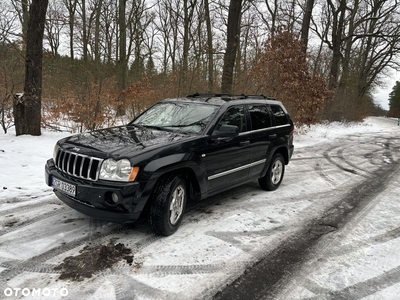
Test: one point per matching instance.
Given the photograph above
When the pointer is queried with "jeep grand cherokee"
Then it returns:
(179, 149)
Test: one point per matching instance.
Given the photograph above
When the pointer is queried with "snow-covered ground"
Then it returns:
(219, 237)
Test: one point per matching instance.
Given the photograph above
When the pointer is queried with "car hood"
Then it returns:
(122, 140)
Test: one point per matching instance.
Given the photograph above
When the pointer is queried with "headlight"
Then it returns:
(120, 170)
(55, 152)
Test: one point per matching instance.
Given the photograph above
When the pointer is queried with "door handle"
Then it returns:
(272, 136)
(245, 143)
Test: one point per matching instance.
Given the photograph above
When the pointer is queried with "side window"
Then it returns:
(234, 116)
(260, 117)
(279, 115)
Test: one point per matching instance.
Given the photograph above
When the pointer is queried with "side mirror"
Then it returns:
(225, 131)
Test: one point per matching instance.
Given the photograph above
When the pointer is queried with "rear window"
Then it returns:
(260, 117)
(279, 115)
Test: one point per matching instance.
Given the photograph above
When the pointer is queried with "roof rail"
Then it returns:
(206, 95)
(228, 97)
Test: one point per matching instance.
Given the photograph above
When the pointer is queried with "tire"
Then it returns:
(273, 178)
(168, 205)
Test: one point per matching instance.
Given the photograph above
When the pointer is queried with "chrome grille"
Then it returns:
(78, 165)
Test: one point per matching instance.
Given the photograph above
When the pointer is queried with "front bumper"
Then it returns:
(95, 198)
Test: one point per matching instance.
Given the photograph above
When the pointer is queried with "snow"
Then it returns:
(22, 161)
(323, 133)
(219, 238)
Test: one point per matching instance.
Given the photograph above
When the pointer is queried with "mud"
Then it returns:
(92, 260)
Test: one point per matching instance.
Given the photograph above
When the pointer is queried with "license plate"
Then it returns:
(64, 187)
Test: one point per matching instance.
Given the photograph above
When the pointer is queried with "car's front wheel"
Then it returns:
(273, 178)
(168, 205)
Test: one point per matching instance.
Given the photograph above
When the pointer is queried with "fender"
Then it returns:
(282, 150)
(158, 167)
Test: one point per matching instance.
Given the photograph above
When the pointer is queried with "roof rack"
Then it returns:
(198, 95)
(228, 97)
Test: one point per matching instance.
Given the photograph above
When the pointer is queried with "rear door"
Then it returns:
(281, 122)
(262, 133)
(283, 127)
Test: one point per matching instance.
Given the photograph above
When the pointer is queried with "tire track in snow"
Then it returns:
(33, 220)
(37, 263)
(289, 255)
(322, 172)
(359, 290)
(28, 207)
(31, 264)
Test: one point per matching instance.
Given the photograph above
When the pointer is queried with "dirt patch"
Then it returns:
(10, 223)
(72, 220)
(92, 260)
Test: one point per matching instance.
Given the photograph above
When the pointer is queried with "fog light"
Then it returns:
(114, 198)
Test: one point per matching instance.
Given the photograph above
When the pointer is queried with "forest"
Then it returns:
(101, 60)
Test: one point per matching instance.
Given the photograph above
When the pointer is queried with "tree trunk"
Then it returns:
(122, 63)
(25, 19)
(71, 7)
(232, 42)
(337, 33)
(188, 15)
(27, 109)
(84, 31)
(210, 50)
(97, 33)
(305, 27)
(185, 53)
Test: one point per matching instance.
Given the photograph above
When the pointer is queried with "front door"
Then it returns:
(228, 159)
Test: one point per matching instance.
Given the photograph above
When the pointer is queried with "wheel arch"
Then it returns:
(193, 185)
(281, 150)
(284, 152)
(188, 174)
(191, 171)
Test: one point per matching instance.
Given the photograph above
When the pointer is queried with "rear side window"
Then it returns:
(260, 117)
(279, 115)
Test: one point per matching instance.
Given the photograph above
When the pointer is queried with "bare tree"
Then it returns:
(170, 12)
(232, 42)
(109, 28)
(122, 62)
(8, 28)
(210, 48)
(71, 8)
(22, 9)
(27, 109)
(271, 16)
(364, 40)
(85, 38)
(53, 27)
(98, 8)
(139, 20)
(305, 26)
(338, 13)
(188, 10)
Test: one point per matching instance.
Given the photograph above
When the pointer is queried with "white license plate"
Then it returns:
(64, 187)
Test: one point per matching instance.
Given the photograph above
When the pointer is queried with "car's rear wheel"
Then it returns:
(273, 178)
(168, 205)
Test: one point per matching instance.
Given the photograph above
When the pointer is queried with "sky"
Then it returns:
(381, 95)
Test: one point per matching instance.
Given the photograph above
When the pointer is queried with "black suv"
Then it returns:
(178, 149)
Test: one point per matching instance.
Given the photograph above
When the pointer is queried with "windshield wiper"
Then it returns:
(201, 123)
(153, 126)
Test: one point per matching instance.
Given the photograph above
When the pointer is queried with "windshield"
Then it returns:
(182, 116)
